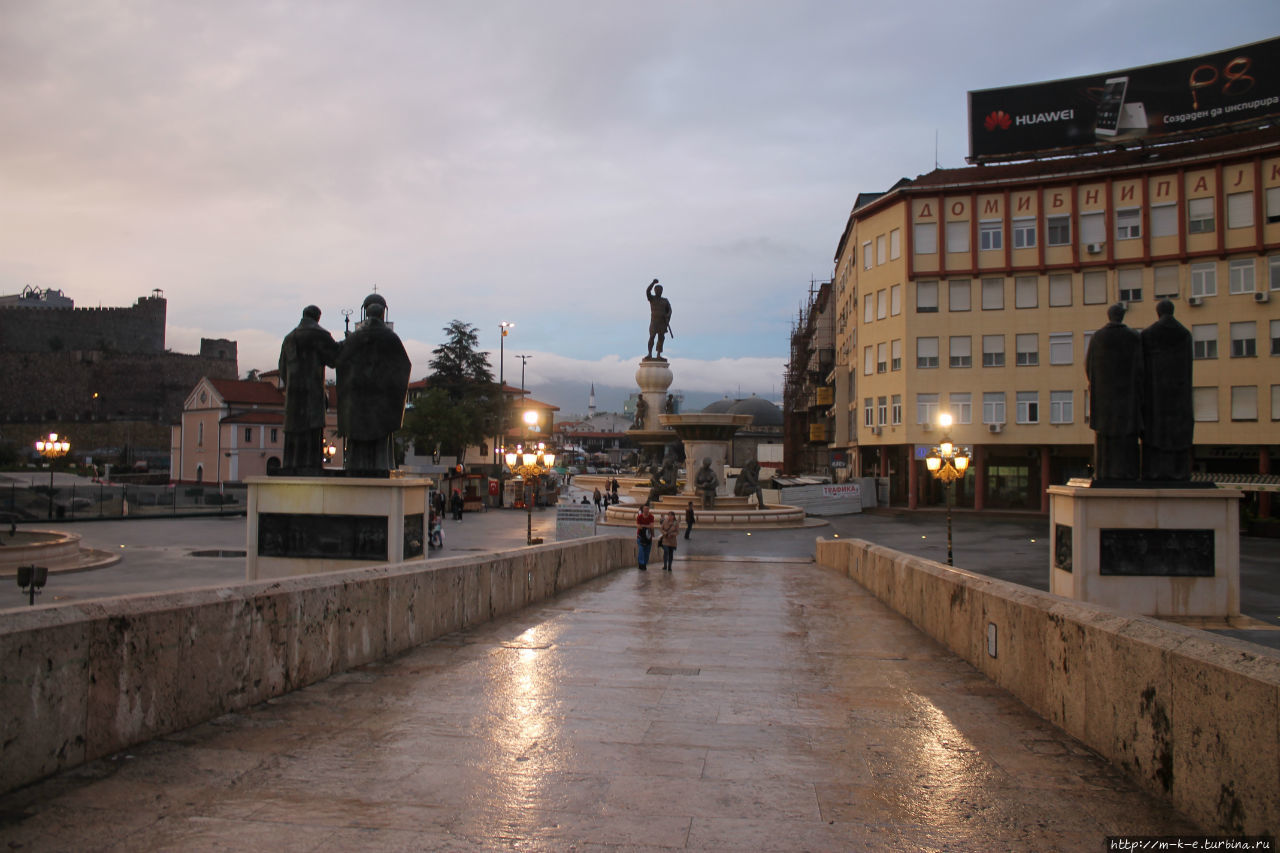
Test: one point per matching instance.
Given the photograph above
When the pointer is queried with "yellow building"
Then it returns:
(975, 291)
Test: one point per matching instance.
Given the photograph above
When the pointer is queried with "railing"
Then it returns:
(31, 501)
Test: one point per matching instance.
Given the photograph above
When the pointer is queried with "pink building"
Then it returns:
(233, 429)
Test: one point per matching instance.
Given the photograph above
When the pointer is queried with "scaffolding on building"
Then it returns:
(807, 391)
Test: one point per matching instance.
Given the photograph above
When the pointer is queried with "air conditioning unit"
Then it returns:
(926, 426)
(996, 428)
(875, 430)
(1094, 248)
(1195, 301)
(1261, 296)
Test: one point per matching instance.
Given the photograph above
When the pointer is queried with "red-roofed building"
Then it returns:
(232, 429)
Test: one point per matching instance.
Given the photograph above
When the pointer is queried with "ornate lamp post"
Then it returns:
(51, 448)
(504, 327)
(530, 465)
(948, 463)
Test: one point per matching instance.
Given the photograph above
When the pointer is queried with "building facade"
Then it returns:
(975, 291)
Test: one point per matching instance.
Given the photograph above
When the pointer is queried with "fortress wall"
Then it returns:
(1192, 717)
(81, 681)
(139, 328)
(49, 386)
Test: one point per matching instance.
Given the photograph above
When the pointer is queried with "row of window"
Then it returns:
(248, 434)
(1204, 337)
(887, 410)
(1165, 282)
(1163, 222)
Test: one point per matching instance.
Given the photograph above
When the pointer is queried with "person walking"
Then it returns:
(689, 519)
(670, 536)
(596, 498)
(614, 486)
(455, 503)
(644, 536)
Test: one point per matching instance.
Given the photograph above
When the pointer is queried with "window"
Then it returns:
(866, 255)
(1060, 348)
(961, 351)
(1204, 341)
(1275, 402)
(1273, 204)
(1204, 401)
(926, 408)
(1025, 292)
(1273, 272)
(895, 354)
(993, 293)
(1060, 407)
(1204, 279)
(1128, 224)
(926, 352)
(868, 412)
(882, 411)
(1092, 228)
(1058, 230)
(1240, 276)
(1129, 284)
(199, 434)
(925, 238)
(993, 350)
(1165, 281)
(1200, 217)
(896, 409)
(1164, 220)
(926, 297)
(1028, 350)
(958, 294)
(990, 234)
(1244, 339)
(275, 436)
(882, 304)
(1060, 290)
(1275, 337)
(868, 361)
(1095, 287)
(248, 434)
(882, 362)
(1244, 402)
(958, 236)
(882, 250)
(895, 244)
(1028, 407)
(1024, 233)
(993, 407)
(1087, 338)
(961, 403)
(1240, 210)
(868, 308)
(895, 300)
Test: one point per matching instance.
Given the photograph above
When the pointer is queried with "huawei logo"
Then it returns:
(997, 120)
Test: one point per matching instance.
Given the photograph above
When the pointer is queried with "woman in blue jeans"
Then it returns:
(644, 536)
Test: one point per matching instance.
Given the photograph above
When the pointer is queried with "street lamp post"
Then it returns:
(948, 463)
(530, 465)
(503, 328)
(51, 448)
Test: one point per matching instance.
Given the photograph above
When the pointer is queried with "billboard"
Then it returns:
(1155, 102)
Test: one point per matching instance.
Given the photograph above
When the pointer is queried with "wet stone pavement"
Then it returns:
(729, 705)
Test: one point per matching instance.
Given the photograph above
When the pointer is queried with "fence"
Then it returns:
(35, 500)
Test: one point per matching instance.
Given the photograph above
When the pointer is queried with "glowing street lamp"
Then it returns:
(51, 448)
(530, 465)
(948, 463)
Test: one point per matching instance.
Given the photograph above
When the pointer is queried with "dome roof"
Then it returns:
(719, 407)
(766, 414)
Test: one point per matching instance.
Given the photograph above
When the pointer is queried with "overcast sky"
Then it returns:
(537, 161)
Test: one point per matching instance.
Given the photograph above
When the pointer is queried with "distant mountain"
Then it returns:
(571, 397)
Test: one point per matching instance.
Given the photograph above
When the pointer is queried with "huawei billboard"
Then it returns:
(1237, 87)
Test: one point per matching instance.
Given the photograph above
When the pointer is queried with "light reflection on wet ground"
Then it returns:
(729, 705)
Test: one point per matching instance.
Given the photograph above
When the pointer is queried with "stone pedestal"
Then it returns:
(303, 525)
(705, 435)
(654, 378)
(1156, 552)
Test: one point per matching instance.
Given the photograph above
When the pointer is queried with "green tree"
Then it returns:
(460, 407)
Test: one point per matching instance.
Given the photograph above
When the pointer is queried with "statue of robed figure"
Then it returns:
(373, 381)
(304, 355)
